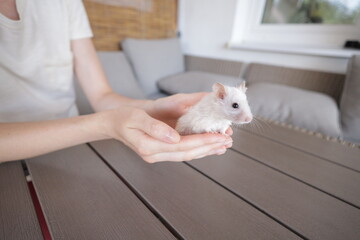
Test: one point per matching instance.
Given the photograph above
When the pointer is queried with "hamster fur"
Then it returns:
(215, 112)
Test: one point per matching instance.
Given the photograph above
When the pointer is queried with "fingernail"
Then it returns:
(220, 151)
(228, 145)
(173, 137)
(221, 140)
(227, 142)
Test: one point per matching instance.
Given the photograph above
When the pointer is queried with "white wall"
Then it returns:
(206, 27)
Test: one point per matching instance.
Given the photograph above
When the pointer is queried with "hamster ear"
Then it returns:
(219, 90)
(242, 86)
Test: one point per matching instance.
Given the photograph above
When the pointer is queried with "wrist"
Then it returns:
(98, 124)
(113, 100)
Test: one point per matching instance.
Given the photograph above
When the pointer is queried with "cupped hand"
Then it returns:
(156, 141)
(170, 109)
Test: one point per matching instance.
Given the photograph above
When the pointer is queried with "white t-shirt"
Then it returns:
(36, 62)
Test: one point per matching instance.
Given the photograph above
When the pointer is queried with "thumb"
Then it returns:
(156, 129)
(193, 98)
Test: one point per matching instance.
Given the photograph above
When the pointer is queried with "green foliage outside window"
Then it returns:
(311, 12)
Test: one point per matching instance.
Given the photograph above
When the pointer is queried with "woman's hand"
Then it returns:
(170, 109)
(156, 141)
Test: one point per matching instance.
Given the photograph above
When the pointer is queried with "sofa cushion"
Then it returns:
(194, 81)
(350, 102)
(120, 76)
(307, 109)
(153, 60)
(317, 81)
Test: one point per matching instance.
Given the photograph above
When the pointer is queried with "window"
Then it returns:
(311, 12)
(296, 23)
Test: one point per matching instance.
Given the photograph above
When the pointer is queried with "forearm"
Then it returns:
(29, 139)
(112, 100)
(94, 82)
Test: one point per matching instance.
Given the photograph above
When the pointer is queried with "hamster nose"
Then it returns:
(248, 119)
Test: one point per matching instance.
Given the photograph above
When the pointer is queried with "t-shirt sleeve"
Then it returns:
(78, 21)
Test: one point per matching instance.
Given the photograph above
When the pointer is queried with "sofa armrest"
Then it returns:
(218, 66)
(323, 82)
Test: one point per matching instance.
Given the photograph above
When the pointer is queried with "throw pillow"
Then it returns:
(153, 60)
(350, 102)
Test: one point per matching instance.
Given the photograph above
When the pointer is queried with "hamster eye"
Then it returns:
(235, 105)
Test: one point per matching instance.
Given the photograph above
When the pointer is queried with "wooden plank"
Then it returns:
(306, 210)
(194, 206)
(330, 150)
(17, 214)
(331, 178)
(83, 199)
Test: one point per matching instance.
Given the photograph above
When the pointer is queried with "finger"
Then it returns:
(188, 100)
(229, 145)
(229, 131)
(145, 145)
(181, 102)
(196, 153)
(193, 98)
(154, 128)
(198, 140)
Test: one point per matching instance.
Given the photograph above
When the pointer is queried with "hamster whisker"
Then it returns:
(252, 125)
(265, 123)
(259, 125)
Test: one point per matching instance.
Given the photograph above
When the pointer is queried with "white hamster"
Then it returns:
(215, 112)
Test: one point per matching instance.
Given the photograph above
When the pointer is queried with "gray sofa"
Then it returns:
(320, 102)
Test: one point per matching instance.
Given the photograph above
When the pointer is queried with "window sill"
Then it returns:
(322, 52)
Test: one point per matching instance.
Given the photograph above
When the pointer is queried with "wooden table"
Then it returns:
(275, 183)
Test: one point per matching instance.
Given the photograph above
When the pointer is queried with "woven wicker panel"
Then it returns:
(114, 20)
(218, 66)
(328, 83)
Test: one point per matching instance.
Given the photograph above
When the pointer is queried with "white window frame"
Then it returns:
(248, 30)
